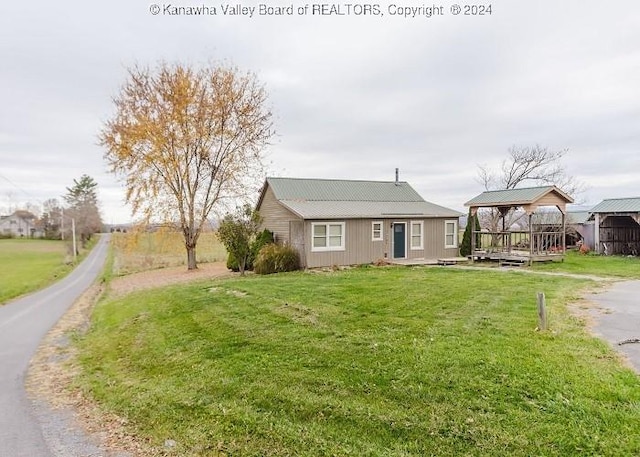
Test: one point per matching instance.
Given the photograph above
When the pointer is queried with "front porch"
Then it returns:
(419, 262)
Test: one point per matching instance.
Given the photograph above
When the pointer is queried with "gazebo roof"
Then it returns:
(530, 198)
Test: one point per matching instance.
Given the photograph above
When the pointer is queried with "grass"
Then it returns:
(364, 362)
(139, 250)
(598, 265)
(27, 265)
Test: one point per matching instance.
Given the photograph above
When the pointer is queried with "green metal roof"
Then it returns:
(514, 197)
(618, 205)
(333, 199)
(342, 190)
(578, 217)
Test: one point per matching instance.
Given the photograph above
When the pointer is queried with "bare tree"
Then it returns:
(525, 165)
(187, 140)
(52, 218)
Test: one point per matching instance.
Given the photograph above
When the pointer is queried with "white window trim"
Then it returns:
(327, 247)
(455, 234)
(373, 231)
(421, 246)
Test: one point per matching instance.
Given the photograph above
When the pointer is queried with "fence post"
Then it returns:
(542, 312)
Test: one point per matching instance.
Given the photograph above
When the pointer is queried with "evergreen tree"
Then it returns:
(465, 247)
(82, 199)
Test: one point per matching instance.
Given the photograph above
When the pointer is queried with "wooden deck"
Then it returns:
(440, 261)
(522, 257)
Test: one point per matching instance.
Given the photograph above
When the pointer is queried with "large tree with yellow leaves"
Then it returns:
(185, 140)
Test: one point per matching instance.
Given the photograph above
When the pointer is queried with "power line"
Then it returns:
(32, 197)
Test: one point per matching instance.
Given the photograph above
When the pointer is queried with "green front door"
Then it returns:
(399, 240)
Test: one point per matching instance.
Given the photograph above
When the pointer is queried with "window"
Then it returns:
(416, 235)
(376, 231)
(327, 236)
(451, 234)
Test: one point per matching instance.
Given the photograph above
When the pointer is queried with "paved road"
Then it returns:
(621, 321)
(23, 324)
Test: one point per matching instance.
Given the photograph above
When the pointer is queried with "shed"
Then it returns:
(617, 226)
(347, 222)
(520, 245)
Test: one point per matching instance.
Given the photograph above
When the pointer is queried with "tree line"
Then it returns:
(79, 209)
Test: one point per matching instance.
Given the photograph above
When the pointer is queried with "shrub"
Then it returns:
(265, 237)
(274, 258)
(232, 263)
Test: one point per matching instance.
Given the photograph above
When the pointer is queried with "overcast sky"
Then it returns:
(353, 96)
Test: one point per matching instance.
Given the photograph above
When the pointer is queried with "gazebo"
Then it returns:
(520, 246)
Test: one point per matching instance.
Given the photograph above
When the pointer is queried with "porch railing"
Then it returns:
(508, 242)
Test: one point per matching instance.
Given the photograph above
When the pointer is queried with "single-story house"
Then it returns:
(21, 223)
(343, 222)
(617, 226)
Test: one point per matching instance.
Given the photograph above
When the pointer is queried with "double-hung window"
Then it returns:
(417, 229)
(327, 236)
(451, 234)
(376, 231)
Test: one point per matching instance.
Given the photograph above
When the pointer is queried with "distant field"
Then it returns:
(137, 250)
(27, 265)
(365, 362)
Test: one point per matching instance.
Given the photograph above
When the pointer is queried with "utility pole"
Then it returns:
(62, 224)
(73, 234)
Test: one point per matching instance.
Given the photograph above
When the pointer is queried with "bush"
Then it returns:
(232, 263)
(274, 258)
(265, 237)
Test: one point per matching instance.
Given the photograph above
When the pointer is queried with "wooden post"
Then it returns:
(564, 234)
(596, 233)
(530, 239)
(542, 312)
(472, 221)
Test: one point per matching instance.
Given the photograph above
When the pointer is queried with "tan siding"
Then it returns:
(551, 199)
(435, 241)
(276, 217)
(360, 249)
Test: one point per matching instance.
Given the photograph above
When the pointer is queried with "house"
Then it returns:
(20, 224)
(617, 226)
(342, 222)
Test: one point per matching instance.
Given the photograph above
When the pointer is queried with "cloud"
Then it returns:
(353, 97)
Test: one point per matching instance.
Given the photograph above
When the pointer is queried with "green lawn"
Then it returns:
(365, 362)
(27, 265)
(598, 265)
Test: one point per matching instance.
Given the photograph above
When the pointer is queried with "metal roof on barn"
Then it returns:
(618, 205)
(339, 199)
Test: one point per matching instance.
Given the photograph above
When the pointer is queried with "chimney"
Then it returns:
(397, 176)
